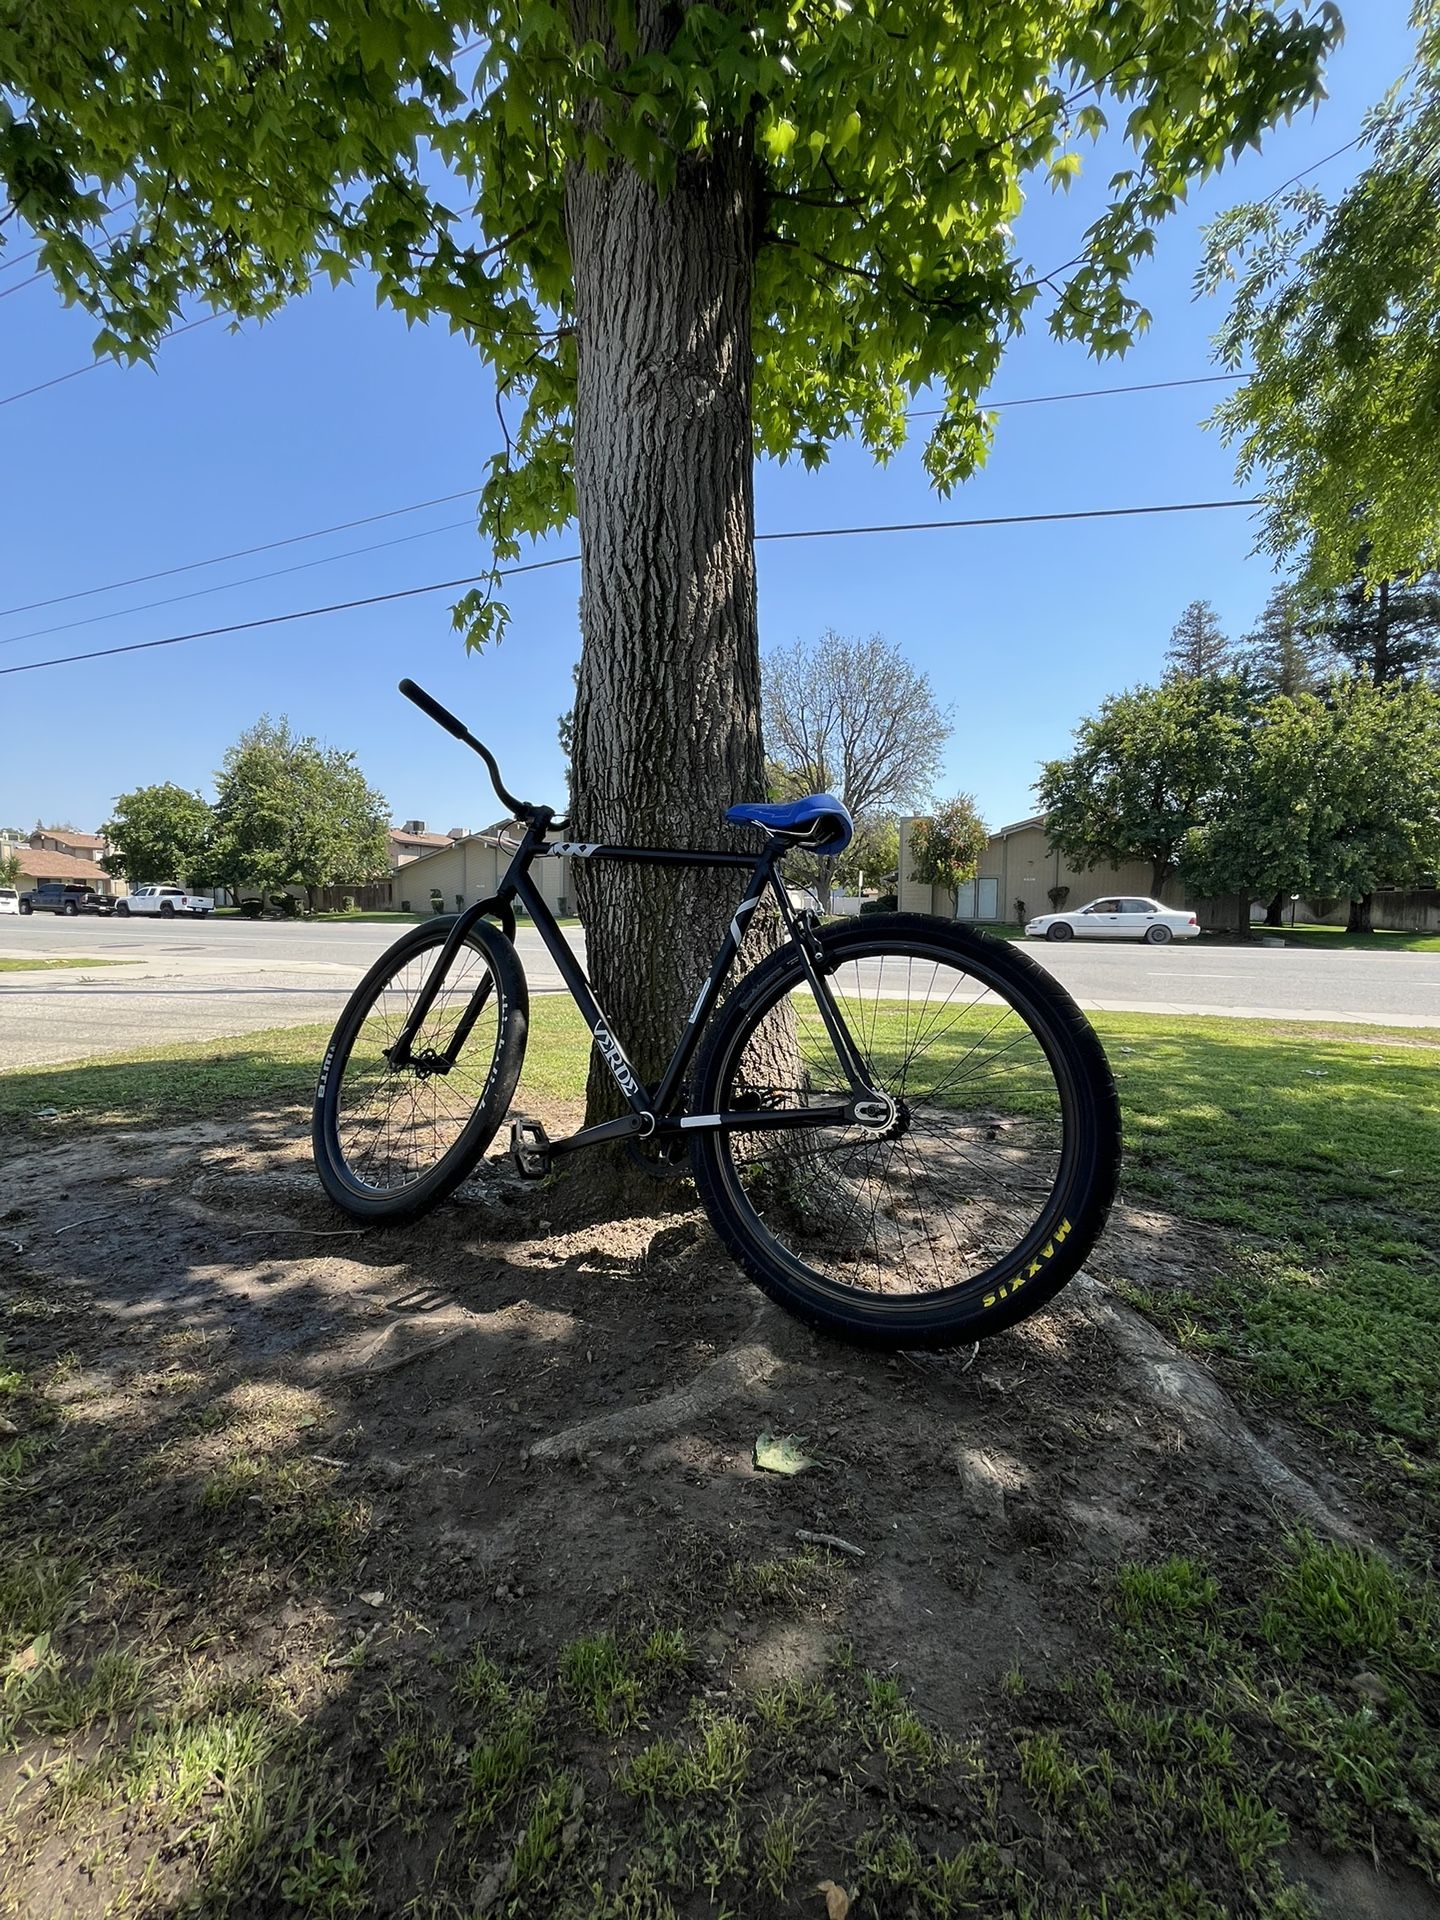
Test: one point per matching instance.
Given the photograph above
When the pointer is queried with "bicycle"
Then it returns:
(903, 1130)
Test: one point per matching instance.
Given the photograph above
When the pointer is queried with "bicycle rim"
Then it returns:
(392, 1127)
(968, 1186)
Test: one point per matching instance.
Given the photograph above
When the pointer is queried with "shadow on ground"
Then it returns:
(429, 1572)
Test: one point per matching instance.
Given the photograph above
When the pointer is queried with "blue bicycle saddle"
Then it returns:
(803, 818)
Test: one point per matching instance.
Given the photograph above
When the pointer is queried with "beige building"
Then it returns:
(1020, 866)
(409, 842)
(76, 846)
(468, 870)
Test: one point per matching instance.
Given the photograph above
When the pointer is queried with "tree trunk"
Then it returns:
(1160, 872)
(1362, 915)
(1275, 912)
(667, 704)
(1382, 636)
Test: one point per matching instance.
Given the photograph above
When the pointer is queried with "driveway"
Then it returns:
(200, 981)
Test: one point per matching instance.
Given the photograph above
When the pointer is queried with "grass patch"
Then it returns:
(16, 964)
(1317, 938)
(1315, 1157)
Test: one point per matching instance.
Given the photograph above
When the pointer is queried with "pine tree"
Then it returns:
(1390, 633)
(1283, 653)
(1198, 650)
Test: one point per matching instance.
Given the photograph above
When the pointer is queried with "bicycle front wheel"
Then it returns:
(993, 1180)
(390, 1141)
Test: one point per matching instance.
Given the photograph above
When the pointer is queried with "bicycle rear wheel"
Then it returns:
(389, 1142)
(989, 1187)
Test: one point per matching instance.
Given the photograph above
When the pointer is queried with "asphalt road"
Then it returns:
(201, 980)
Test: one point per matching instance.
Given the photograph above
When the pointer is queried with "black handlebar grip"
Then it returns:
(427, 703)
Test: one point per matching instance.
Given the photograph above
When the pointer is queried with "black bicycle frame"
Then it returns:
(652, 1112)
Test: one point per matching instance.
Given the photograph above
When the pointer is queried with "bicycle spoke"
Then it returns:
(966, 1167)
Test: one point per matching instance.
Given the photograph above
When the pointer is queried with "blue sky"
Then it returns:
(335, 410)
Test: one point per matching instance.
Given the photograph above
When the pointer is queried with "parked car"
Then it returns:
(1117, 917)
(71, 898)
(9, 900)
(167, 901)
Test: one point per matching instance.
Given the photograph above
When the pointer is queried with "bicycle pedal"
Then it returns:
(530, 1149)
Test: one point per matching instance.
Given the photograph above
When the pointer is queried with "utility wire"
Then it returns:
(345, 526)
(570, 559)
(242, 553)
(225, 586)
(91, 365)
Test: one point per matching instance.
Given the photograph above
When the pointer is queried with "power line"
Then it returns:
(20, 285)
(345, 526)
(246, 580)
(92, 365)
(570, 559)
(241, 553)
(1083, 393)
(1314, 167)
(35, 252)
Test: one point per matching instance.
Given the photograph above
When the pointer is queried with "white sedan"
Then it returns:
(1117, 918)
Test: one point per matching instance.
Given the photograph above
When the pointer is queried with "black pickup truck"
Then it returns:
(51, 897)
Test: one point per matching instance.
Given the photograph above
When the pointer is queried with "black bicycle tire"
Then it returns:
(459, 1160)
(1035, 1271)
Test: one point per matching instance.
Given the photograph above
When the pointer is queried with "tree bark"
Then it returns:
(667, 704)
(1275, 912)
(1362, 915)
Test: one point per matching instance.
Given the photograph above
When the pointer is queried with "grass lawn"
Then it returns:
(1322, 939)
(19, 964)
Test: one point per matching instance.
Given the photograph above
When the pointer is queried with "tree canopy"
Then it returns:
(852, 718)
(1144, 773)
(1388, 630)
(1336, 309)
(251, 150)
(1283, 652)
(291, 812)
(1198, 649)
(945, 847)
(158, 833)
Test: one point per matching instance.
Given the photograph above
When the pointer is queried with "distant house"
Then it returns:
(80, 846)
(1019, 865)
(468, 869)
(38, 864)
(409, 842)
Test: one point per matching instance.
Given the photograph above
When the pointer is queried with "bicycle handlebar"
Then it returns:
(442, 716)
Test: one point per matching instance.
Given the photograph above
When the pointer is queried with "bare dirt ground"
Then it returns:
(302, 1477)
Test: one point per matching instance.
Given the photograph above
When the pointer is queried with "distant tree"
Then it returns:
(874, 853)
(565, 725)
(852, 718)
(11, 872)
(158, 833)
(1386, 632)
(1144, 773)
(1198, 650)
(1379, 780)
(946, 846)
(1335, 318)
(1260, 829)
(289, 812)
(1283, 653)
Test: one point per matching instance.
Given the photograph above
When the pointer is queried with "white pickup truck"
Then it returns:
(166, 901)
